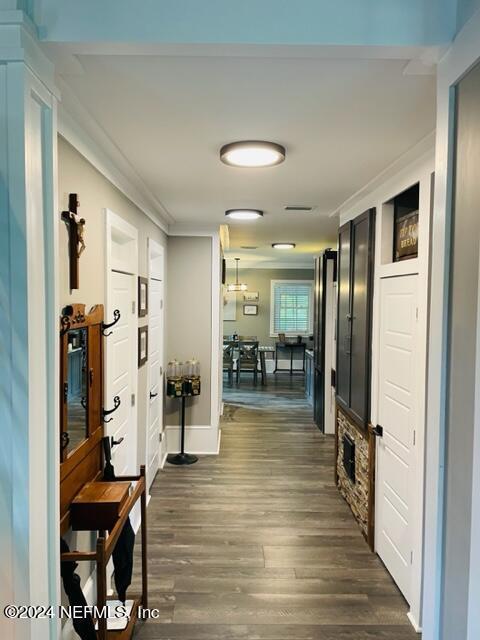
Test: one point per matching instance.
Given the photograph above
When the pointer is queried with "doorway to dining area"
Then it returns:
(268, 331)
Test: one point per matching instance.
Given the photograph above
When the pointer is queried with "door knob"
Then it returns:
(153, 395)
(378, 431)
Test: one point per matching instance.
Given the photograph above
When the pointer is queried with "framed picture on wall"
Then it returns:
(251, 296)
(142, 345)
(142, 297)
(250, 309)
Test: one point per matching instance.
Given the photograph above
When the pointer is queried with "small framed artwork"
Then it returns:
(250, 309)
(142, 297)
(251, 296)
(142, 345)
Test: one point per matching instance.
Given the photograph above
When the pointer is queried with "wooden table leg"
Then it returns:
(101, 588)
(263, 368)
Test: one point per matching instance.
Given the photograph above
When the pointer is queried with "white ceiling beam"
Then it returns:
(293, 22)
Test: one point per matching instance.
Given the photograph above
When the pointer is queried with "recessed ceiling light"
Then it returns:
(252, 153)
(283, 245)
(244, 214)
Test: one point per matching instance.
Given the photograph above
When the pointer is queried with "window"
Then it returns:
(291, 307)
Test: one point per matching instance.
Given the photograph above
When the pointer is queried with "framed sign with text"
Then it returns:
(405, 241)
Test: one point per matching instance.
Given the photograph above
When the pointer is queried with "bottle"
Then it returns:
(174, 379)
(195, 369)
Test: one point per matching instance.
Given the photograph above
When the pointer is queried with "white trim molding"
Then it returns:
(29, 352)
(419, 171)
(123, 235)
(80, 130)
(459, 59)
(199, 439)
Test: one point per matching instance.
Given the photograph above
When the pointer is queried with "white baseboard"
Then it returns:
(199, 439)
(163, 460)
(414, 623)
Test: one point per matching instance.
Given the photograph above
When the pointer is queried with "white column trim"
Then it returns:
(461, 56)
(82, 131)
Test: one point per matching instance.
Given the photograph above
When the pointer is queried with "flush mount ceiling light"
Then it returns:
(283, 245)
(252, 153)
(236, 286)
(244, 214)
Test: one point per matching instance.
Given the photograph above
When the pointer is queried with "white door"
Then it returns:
(120, 373)
(397, 415)
(155, 359)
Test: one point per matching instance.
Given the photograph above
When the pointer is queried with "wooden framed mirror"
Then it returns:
(81, 394)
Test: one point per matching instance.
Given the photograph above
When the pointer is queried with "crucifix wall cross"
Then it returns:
(76, 243)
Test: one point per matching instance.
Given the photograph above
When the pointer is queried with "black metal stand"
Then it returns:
(182, 457)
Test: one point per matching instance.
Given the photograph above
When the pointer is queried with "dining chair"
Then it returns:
(248, 358)
(228, 361)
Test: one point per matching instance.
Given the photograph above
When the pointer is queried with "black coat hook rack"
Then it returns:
(116, 318)
(107, 412)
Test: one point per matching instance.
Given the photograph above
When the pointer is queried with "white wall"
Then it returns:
(194, 330)
(380, 192)
(461, 56)
(96, 194)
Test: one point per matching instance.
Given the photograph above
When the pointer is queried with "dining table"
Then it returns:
(262, 352)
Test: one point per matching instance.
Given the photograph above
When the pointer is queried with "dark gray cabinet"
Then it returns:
(325, 275)
(355, 271)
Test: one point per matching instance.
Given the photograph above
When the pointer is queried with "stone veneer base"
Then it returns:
(355, 493)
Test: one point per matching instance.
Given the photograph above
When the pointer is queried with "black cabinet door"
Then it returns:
(361, 258)
(317, 332)
(319, 399)
(319, 320)
(344, 329)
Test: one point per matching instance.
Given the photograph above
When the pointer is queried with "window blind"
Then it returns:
(291, 307)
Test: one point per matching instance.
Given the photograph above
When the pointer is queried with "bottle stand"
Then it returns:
(182, 457)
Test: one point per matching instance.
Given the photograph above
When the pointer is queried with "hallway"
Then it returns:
(257, 543)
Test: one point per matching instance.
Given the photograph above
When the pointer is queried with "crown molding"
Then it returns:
(194, 229)
(83, 132)
(424, 149)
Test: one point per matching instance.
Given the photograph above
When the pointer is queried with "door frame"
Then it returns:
(419, 172)
(155, 249)
(116, 230)
(462, 55)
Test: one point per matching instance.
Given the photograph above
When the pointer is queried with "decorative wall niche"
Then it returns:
(400, 220)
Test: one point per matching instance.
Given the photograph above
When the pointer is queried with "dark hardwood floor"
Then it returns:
(257, 543)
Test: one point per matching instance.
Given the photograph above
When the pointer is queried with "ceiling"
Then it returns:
(342, 122)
